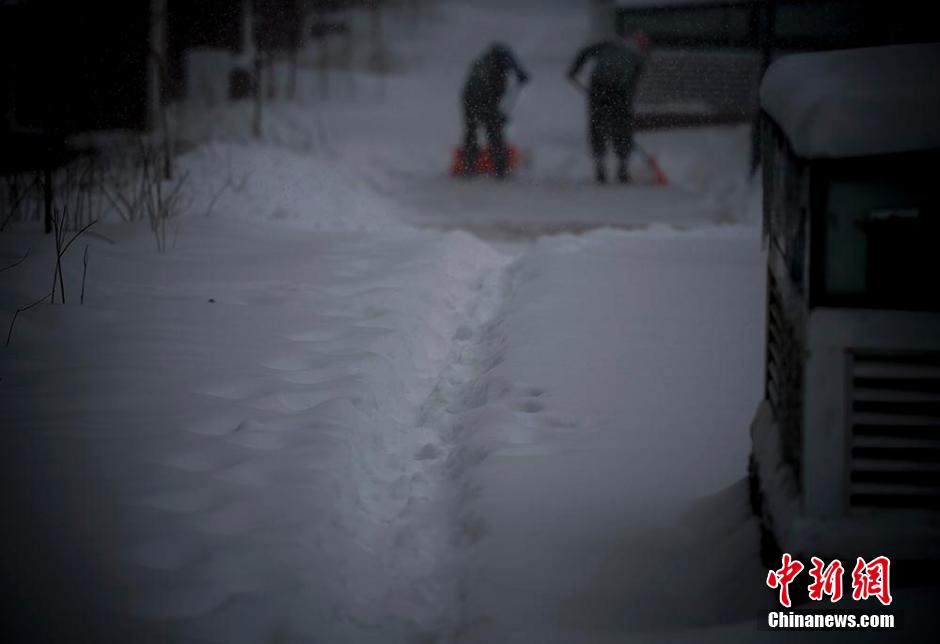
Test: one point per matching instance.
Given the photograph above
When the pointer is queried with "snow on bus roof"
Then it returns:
(857, 102)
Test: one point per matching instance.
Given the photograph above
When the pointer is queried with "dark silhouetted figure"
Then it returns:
(617, 68)
(482, 95)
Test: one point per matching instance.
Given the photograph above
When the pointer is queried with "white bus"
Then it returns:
(846, 443)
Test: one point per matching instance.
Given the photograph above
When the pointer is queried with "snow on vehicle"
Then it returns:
(846, 444)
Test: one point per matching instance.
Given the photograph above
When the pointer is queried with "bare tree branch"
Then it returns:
(76, 235)
(81, 300)
(18, 201)
(23, 309)
(16, 263)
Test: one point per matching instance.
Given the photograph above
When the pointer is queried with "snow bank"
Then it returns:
(237, 450)
(856, 102)
(779, 488)
(605, 440)
(282, 185)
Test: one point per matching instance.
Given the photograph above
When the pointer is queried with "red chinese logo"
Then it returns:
(784, 576)
(872, 579)
(869, 579)
(826, 581)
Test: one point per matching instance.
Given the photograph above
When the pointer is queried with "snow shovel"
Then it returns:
(509, 105)
(659, 177)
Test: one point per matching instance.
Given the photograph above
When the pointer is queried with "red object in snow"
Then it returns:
(485, 163)
(658, 175)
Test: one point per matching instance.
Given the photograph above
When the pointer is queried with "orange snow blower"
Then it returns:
(485, 163)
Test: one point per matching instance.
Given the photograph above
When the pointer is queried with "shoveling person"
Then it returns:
(617, 68)
(483, 93)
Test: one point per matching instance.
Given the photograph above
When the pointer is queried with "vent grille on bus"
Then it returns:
(895, 430)
(784, 374)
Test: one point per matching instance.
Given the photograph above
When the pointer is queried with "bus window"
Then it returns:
(880, 245)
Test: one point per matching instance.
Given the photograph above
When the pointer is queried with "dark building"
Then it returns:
(782, 24)
(77, 66)
(72, 66)
(710, 54)
(215, 24)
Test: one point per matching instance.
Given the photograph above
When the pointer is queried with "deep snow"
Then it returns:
(320, 417)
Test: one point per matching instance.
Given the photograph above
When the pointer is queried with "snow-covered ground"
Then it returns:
(332, 414)
(243, 425)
